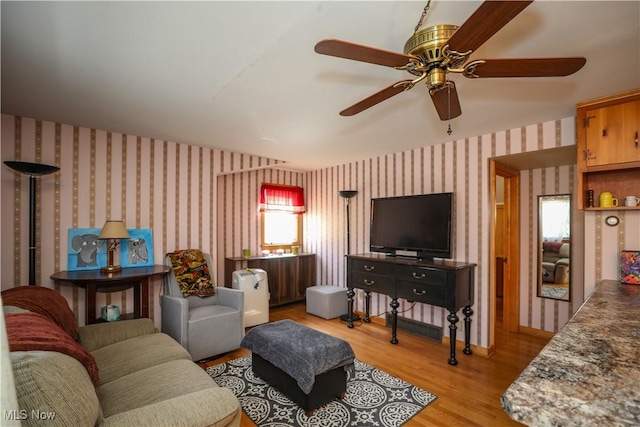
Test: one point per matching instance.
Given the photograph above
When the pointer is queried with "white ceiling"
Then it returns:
(243, 76)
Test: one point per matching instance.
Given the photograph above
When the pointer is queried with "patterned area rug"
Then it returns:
(373, 398)
(554, 292)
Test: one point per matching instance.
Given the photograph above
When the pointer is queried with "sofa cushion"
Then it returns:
(97, 335)
(565, 250)
(212, 407)
(52, 382)
(135, 354)
(153, 385)
(11, 309)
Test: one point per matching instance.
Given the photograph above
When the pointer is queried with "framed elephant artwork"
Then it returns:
(84, 250)
(137, 250)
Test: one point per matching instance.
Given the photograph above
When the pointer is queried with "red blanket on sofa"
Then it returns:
(45, 301)
(552, 246)
(33, 331)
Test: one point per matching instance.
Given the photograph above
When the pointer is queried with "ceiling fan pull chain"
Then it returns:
(424, 14)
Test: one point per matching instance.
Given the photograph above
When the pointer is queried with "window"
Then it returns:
(280, 230)
(281, 207)
(556, 218)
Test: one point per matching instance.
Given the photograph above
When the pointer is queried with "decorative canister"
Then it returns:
(590, 199)
(110, 313)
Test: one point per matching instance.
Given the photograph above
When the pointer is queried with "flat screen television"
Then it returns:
(413, 226)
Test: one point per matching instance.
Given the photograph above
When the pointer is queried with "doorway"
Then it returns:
(501, 256)
(505, 248)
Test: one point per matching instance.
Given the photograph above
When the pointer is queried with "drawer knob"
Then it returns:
(369, 267)
(419, 293)
(369, 282)
(418, 276)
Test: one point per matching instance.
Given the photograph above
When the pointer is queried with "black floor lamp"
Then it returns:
(33, 170)
(346, 195)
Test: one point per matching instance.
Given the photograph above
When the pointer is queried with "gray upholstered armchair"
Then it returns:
(205, 326)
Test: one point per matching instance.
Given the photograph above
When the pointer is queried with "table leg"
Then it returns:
(394, 320)
(453, 319)
(136, 300)
(367, 307)
(90, 303)
(350, 294)
(467, 311)
(145, 297)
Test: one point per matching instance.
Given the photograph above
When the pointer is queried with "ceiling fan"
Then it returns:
(432, 53)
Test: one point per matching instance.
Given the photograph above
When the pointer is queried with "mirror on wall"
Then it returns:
(554, 246)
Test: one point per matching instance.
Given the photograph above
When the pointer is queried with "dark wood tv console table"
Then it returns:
(447, 284)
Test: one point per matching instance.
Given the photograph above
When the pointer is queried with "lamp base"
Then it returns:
(111, 269)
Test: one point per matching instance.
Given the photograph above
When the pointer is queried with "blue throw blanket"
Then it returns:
(298, 350)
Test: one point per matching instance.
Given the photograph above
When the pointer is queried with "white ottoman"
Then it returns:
(327, 302)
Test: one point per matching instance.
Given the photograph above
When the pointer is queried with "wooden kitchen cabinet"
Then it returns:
(289, 276)
(608, 148)
(612, 135)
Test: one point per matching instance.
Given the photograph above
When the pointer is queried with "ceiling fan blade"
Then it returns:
(377, 98)
(446, 102)
(525, 67)
(487, 20)
(358, 52)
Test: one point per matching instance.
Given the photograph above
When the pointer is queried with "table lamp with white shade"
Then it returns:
(112, 232)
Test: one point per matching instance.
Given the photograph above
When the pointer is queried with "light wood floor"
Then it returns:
(468, 394)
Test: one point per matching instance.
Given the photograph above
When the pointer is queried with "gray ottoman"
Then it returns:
(327, 302)
(306, 365)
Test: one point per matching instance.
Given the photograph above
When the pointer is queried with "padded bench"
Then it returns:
(327, 302)
(306, 365)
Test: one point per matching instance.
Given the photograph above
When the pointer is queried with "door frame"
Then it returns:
(511, 290)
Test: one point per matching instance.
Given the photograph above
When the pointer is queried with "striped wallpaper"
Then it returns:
(461, 166)
(543, 313)
(194, 196)
(238, 217)
(168, 187)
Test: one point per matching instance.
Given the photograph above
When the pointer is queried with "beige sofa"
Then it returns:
(145, 379)
(555, 262)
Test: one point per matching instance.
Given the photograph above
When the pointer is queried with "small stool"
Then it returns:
(327, 302)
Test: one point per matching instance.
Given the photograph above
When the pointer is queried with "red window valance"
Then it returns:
(283, 198)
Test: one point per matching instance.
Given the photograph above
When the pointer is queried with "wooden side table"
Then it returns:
(94, 281)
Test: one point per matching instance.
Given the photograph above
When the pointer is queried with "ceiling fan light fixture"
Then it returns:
(437, 79)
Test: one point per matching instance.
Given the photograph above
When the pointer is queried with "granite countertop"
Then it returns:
(589, 373)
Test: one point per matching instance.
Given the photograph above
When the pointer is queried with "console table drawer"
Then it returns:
(420, 292)
(372, 282)
(372, 267)
(422, 275)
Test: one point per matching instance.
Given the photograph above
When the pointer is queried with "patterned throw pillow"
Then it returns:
(192, 272)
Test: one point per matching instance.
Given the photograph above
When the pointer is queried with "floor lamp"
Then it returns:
(346, 195)
(33, 170)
